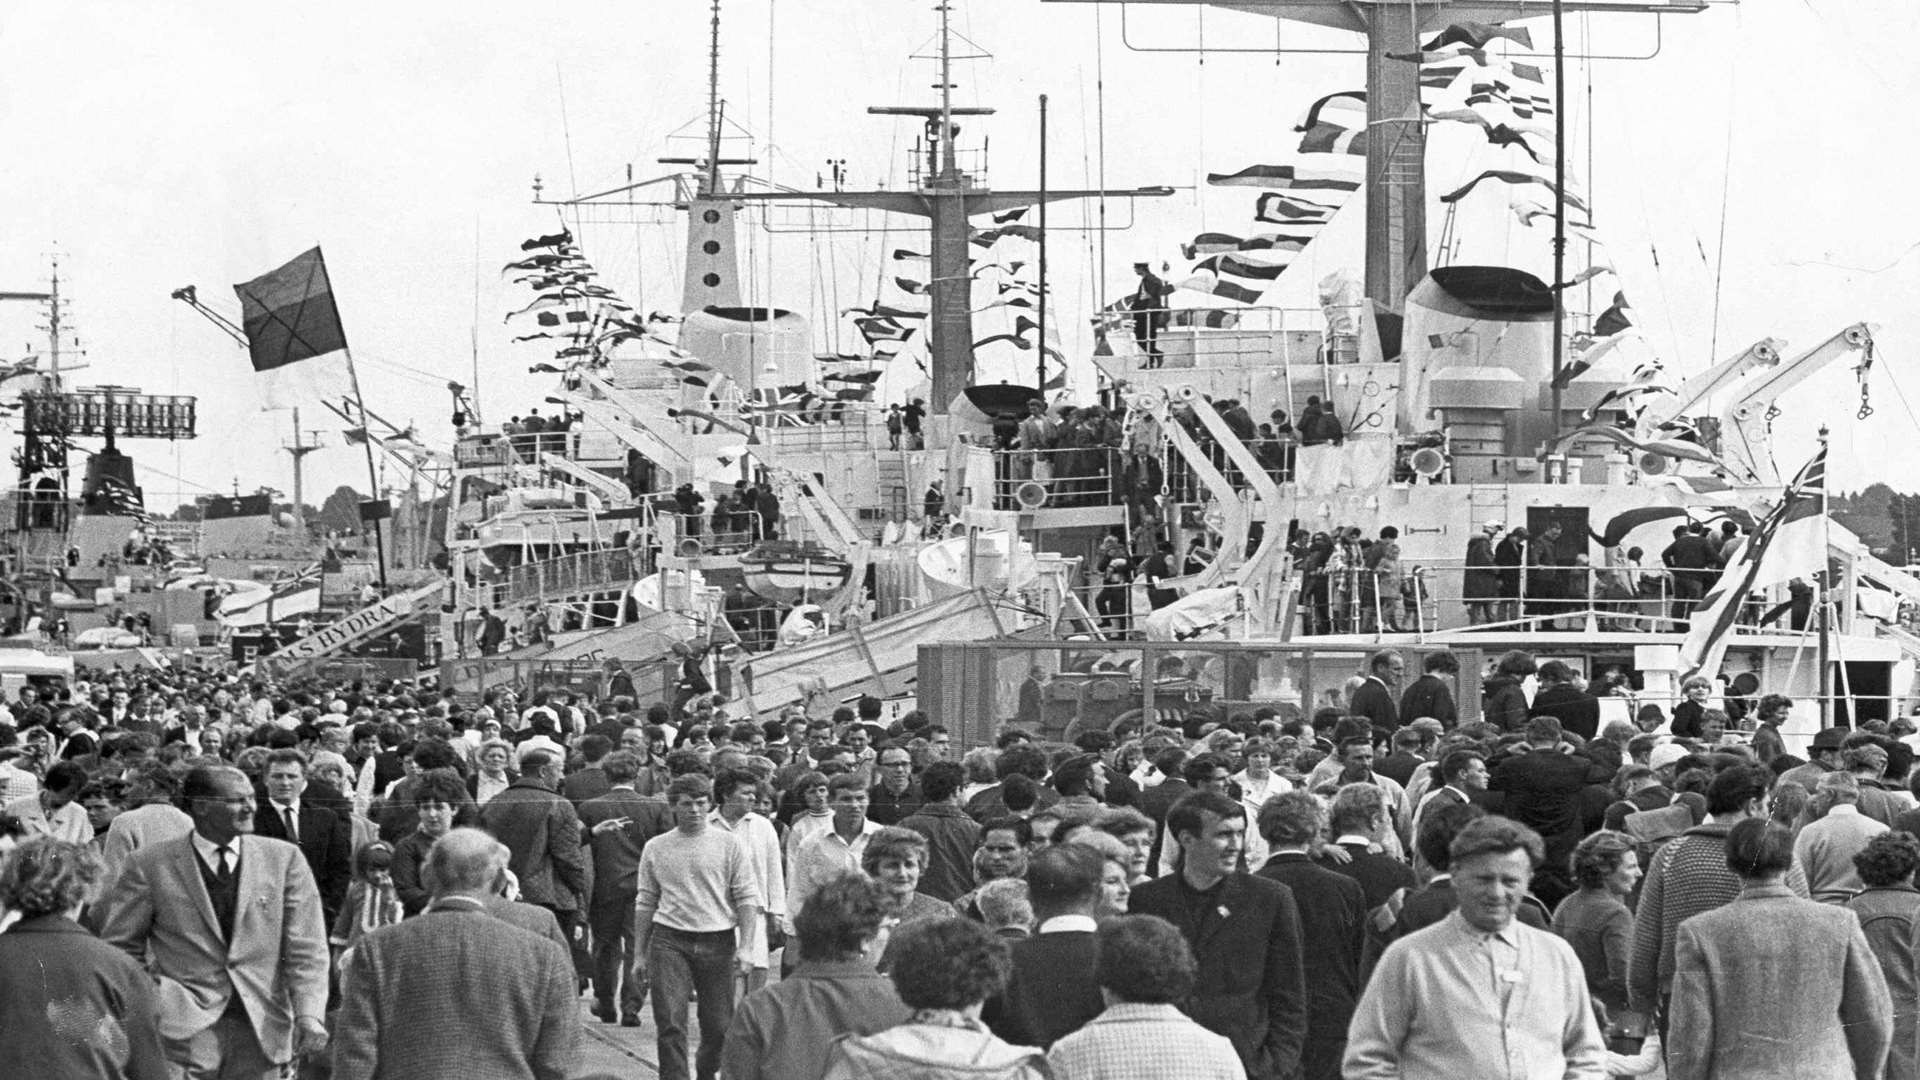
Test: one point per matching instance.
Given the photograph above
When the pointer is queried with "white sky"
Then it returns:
(157, 145)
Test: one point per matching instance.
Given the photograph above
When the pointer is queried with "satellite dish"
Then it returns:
(1652, 464)
(1031, 495)
(1428, 462)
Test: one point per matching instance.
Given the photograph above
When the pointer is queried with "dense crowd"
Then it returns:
(211, 876)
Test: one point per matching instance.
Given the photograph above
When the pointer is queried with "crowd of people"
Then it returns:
(206, 876)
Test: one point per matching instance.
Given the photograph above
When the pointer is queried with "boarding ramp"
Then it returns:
(369, 622)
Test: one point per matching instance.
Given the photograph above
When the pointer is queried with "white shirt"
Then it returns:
(209, 852)
(1068, 924)
(757, 835)
(281, 810)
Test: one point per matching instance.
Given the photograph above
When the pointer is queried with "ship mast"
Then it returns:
(1396, 131)
(712, 184)
(946, 196)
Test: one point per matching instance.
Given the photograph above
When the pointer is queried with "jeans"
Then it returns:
(612, 924)
(681, 964)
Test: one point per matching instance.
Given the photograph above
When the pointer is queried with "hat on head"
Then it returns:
(1494, 526)
(1666, 754)
(1830, 738)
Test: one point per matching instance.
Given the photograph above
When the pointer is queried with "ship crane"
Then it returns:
(1746, 422)
(1764, 353)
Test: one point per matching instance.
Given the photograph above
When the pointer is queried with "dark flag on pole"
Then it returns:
(294, 335)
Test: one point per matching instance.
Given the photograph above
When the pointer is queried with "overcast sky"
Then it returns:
(158, 145)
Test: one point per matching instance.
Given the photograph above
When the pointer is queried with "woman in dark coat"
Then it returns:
(1503, 701)
(71, 1006)
(1508, 555)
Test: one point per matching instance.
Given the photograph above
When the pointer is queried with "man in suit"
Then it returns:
(1052, 991)
(1358, 820)
(1374, 699)
(320, 834)
(618, 825)
(400, 1014)
(230, 925)
(590, 780)
(542, 831)
(1541, 790)
(1333, 927)
(1245, 933)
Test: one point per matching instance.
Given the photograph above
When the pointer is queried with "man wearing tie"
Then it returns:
(230, 926)
(318, 832)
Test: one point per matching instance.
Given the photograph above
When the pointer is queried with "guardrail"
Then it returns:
(1069, 476)
(584, 571)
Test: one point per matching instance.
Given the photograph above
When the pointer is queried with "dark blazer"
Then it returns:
(393, 1017)
(1155, 802)
(1374, 701)
(1429, 695)
(1052, 992)
(616, 852)
(1245, 934)
(1542, 789)
(543, 833)
(587, 783)
(327, 843)
(60, 988)
(1577, 711)
(951, 837)
(1333, 931)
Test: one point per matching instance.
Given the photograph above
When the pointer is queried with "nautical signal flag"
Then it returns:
(1790, 543)
(294, 336)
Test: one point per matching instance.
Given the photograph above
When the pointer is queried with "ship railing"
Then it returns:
(722, 532)
(1118, 609)
(498, 449)
(1434, 595)
(835, 430)
(1184, 484)
(579, 572)
(1065, 477)
(757, 625)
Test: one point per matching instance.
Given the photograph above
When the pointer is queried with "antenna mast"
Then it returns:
(713, 103)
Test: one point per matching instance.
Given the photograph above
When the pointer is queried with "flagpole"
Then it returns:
(1040, 351)
(1825, 622)
(1559, 220)
(373, 480)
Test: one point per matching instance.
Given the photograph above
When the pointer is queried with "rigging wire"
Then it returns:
(566, 135)
(1734, 64)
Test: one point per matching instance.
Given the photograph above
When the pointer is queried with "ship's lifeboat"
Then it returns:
(789, 571)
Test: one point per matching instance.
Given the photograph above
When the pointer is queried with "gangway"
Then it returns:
(369, 622)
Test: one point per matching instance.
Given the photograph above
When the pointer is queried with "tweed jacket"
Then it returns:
(1775, 986)
(542, 831)
(158, 911)
(517, 1020)
(1132, 1041)
(1686, 877)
